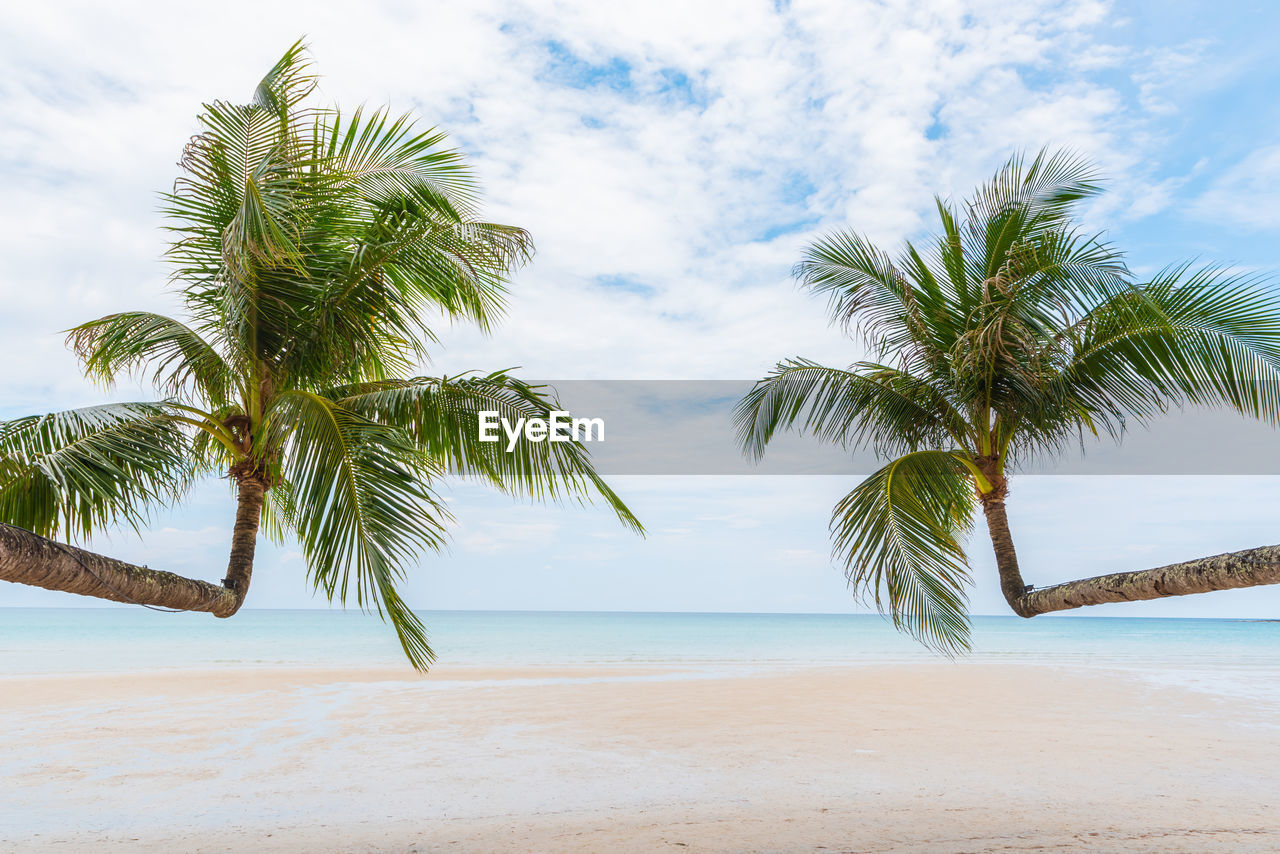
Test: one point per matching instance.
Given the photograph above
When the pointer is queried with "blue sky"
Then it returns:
(671, 160)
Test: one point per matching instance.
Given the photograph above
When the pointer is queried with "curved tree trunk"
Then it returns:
(1248, 568)
(1011, 583)
(27, 558)
(244, 539)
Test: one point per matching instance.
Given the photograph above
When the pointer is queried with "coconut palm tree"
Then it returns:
(312, 249)
(1010, 335)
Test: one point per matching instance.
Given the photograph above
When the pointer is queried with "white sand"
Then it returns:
(925, 757)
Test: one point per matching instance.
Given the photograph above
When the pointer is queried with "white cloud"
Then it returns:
(1247, 194)
(708, 128)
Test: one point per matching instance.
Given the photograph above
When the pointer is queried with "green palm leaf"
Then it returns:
(899, 536)
(68, 473)
(176, 356)
(360, 505)
(862, 285)
(868, 405)
(1195, 336)
(442, 416)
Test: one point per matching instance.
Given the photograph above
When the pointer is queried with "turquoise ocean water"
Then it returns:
(1230, 657)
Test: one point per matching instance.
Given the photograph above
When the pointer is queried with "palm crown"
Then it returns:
(311, 248)
(1010, 334)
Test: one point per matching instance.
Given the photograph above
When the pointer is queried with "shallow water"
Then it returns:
(1230, 657)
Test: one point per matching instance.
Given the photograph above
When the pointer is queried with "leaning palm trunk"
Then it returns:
(244, 540)
(1229, 571)
(27, 558)
(1248, 568)
(1011, 583)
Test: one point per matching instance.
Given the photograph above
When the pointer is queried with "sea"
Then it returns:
(1236, 658)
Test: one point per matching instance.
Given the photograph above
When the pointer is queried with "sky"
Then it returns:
(672, 160)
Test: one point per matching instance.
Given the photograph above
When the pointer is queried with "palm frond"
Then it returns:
(868, 405)
(360, 505)
(899, 536)
(73, 472)
(177, 357)
(863, 287)
(1042, 193)
(385, 158)
(442, 416)
(1198, 336)
(287, 83)
(461, 269)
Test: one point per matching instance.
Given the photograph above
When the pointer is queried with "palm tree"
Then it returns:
(311, 250)
(1010, 336)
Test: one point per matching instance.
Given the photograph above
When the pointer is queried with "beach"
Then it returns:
(919, 755)
(559, 426)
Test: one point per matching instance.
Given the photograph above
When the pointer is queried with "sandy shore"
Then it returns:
(925, 757)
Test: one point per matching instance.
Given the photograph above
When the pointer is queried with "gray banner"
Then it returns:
(686, 427)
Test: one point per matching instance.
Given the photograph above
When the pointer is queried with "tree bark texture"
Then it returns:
(27, 558)
(1248, 568)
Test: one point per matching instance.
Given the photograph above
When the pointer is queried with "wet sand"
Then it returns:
(922, 757)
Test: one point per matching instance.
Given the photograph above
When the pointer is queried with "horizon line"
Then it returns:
(124, 607)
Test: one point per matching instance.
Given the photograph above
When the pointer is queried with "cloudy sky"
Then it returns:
(671, 160)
